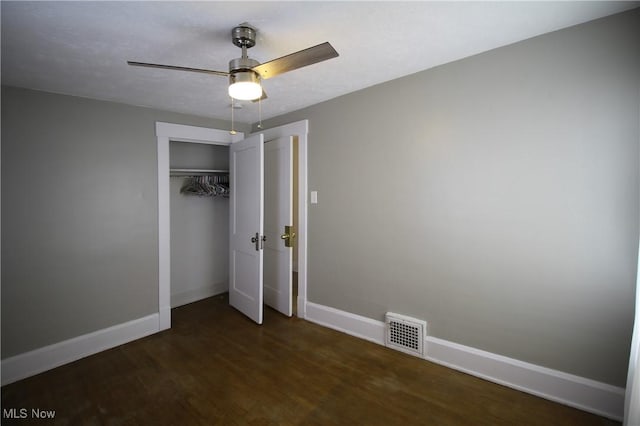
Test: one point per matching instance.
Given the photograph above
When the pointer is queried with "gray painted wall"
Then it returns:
(79, 215)
(496, 197)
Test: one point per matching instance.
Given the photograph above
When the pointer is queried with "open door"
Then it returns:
(278, 214)
(247, 226)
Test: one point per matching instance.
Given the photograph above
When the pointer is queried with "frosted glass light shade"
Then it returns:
(245, 86)
(245, 91)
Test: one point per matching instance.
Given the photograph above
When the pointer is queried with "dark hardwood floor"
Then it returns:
(215, 367)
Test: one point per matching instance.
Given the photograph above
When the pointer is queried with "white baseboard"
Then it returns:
(190, 296)
(575, 391)
(346, 322)
(39, 360)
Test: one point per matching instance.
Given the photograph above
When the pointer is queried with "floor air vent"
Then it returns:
(405, 334)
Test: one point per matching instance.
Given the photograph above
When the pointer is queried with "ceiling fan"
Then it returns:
(245, 73)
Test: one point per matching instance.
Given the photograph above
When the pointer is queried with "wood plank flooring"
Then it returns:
(215, 367)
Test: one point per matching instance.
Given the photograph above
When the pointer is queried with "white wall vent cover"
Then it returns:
(405, 334)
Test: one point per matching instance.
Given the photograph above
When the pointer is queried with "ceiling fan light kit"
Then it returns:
(245, 86)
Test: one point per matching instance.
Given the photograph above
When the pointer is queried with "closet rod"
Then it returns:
(180, 172)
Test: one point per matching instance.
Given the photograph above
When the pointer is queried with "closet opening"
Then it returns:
(199, 203)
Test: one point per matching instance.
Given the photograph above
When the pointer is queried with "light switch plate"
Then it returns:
(314, 197)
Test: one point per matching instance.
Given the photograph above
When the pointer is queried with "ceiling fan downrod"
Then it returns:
(244, 37)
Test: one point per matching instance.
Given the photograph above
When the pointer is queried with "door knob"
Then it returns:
(288, 236)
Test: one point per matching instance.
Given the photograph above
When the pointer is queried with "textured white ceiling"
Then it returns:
(81, 48)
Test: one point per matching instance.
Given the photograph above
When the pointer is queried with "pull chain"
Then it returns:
(233, 131)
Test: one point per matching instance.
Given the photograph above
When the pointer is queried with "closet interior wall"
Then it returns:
(199, 227)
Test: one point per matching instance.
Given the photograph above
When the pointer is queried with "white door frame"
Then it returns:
(166, 132)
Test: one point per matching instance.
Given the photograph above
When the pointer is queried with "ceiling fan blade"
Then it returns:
(173, 67)
(296, 60)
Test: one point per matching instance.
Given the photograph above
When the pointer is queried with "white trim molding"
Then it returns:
(186, 133)
(46, 358)
(568, 389)
(346, 322)
(575, 391)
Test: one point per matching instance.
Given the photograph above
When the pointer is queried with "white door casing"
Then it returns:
(278, 213)
(246, 176)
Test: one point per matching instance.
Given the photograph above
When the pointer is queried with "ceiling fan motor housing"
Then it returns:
(244, 83)
(242, 64)
(240, 70)
(244, 77)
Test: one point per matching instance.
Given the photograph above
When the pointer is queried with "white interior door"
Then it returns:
(278, 195)
(247, 226)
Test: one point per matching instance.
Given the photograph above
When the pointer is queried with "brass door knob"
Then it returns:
(288, 236)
